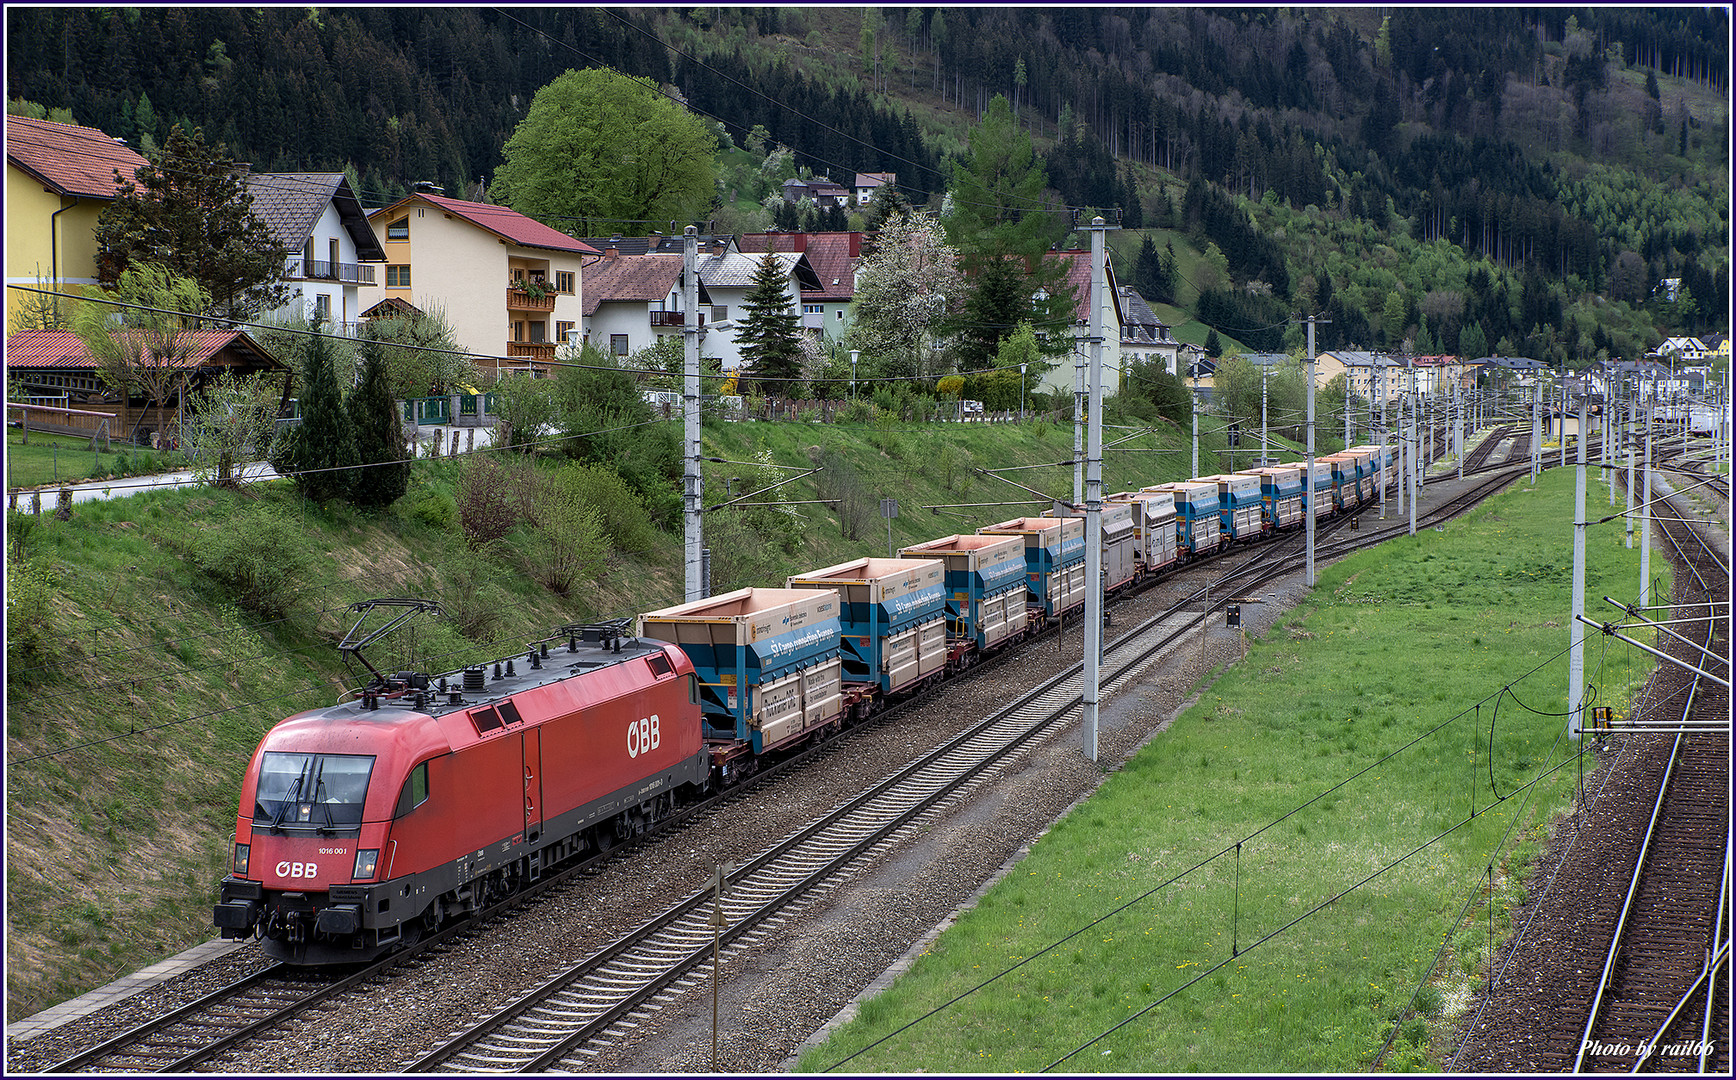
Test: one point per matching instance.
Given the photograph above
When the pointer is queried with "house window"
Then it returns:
(562, 329)
(812, 309)
(564, 282)
(322, 307)
(518, 331)
(618, 344)
(397, 277)
(538, 330)
(398, 230)
(719, 312)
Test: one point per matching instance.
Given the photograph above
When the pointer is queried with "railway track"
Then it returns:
(1662, 1001)
(552, 1026)
(214, 1028)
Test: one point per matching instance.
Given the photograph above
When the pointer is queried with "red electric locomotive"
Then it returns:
(364, 824)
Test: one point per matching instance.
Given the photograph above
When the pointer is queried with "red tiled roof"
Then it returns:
(69, 159)
(501, 221)
(833, 255)
(64, 350)
(636, 279)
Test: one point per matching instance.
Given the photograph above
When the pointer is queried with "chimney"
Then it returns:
(612, 253)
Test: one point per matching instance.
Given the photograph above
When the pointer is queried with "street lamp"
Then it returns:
(853, 354)
(1021, 391)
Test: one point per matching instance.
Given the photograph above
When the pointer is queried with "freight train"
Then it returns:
(419, 799)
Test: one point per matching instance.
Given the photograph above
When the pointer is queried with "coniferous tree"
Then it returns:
(190, 212)
(318, 454)
(771, 354)
(998, 301)
(888, 202)
(378, 433)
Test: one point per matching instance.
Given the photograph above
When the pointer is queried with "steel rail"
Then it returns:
(1617, 939)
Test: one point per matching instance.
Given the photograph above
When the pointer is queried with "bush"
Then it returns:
(476, 596)
(620, 511)
(565, 546)
(489, 501)
(434, 509)
(257, 559)
(32, 630)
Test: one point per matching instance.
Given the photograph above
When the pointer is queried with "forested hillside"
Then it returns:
(1553, 166)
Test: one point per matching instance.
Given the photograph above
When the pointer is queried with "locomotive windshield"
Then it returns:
(317, 791)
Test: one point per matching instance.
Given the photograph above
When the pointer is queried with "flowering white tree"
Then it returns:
(903, 293)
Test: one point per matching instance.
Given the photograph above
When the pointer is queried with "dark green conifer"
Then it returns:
(379, 435)
(318, 453)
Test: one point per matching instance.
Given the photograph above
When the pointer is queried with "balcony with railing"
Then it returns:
(673, 318)
(518, 299)
(301, 268)
(530, 350)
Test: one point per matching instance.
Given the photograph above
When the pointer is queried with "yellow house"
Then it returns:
(58, 179)
(510, 286)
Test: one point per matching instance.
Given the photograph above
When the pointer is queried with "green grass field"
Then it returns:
(1263, 887)
(50, 459)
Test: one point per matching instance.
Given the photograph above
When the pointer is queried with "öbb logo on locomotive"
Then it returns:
(418, 800)
(644, 736)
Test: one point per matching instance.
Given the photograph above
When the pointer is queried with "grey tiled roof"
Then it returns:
(291, 203)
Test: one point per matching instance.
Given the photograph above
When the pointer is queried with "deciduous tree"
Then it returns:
(903, 292)
(143, 345)
(603, 150)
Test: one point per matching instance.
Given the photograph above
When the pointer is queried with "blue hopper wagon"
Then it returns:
(1238, 505)
(892, 618)
(1280, 494)
(985, 585)
(1198, 515)
(767, 660)
(1054, 561)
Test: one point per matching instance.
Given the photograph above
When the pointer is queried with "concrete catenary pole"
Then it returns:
(1094, 498)
(1195, 372)
(1629, 515)
(1576, 629)
(1309, 482)
(1416, 448)
(1079, 407)
(1646, 516)
(693, 481)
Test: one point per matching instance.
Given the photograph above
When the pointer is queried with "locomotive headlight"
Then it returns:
(366, 861)
(241, 852)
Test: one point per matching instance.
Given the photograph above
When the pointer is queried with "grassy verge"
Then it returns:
(50, 459)
(1264, 887)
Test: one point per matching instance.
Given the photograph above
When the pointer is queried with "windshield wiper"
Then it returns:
(289, 797)
(318, 786)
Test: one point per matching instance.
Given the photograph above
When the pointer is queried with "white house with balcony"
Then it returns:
(509, 286)
(632, 300)
(334, 254)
